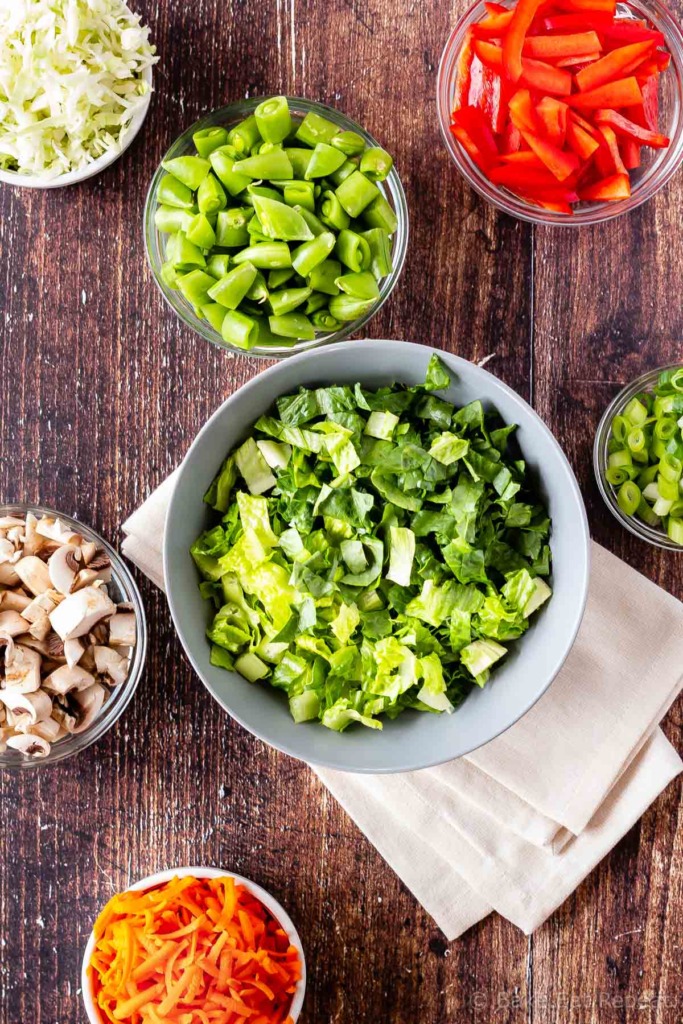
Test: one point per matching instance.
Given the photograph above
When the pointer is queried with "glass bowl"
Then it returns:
(634, 525)
(121, 589)
(657, 166)
(228, 117)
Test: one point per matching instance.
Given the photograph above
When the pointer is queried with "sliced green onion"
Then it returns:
(629, 497)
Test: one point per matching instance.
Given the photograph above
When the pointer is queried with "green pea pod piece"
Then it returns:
(244, 136)
(265, 335)
(169, 219)
(264, 191)
(356, 193)
(208, 139)
(325, 161)
(315, 225)
(359, 286)
(218, 265)
(172, 192)
(281, 221)
(183, 253)
(273, 119)
(195, 287)
(346, 308)
(273, 165)
(324, 321)
(288, 299)
(299, 159)
(344, 172)
(232, 227)
(256, 234)
(353, 251)
(239, 330)
(314, 129)
(350, 143)
(258, 292)
(215, 314)
(266, 255)
(211, 195)
(191, 170)
(292, 325)
(169, 275)
(223, 161)
(201, 233)
(316, 301)
(332, 213)
(300, 193)
(375, 163)
(380, 248)
(310, 254)
(323, 277)
(231, 289)
(276, 278)
(379, 214)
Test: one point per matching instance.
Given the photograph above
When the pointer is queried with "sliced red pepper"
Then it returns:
(494, 8)
(622, 32)
(597, 21)
(471, 147)
(606, 6)
(535, 73)
(558, 162)
(650, 105)
(615, 165)
(476, 89)
(549, 204)
(473, 120)
(524, 14)
(582, 123)
(630, 153)
(583, 144)
(522, 112)
(625, 92)
(511, 140)
(617, 186)
(493, 26)
(613, 66)
(553, 115)
(463, 75)
(657, 62)
(556, 47)
(527, 178)
(630, 130)
(523, 158)
(578, 62)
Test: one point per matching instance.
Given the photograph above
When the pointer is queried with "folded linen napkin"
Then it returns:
(518, 824)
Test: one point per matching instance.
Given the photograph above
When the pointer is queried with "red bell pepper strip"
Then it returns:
(625, 92)
(547, 204)
(493, 8)
(596, 21)
(558, 162)
(557, 47)
(524, 14)
(523, 158)
(511, 140)
(578, 62)
(474, 122)
(493, 26)
(630, 30)
(492, 100)
(657, 62)
(650, 105)
(613, 65)
(535, 73)
(615, 165)
(476, 90)
(553, 115)
(530, 179)
(630, 130)
(522, 112)
(630, 153)
(617, 186)
(606, 6)
(583, 144)
(463, 75)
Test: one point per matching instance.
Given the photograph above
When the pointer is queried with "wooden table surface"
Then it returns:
(103, 391)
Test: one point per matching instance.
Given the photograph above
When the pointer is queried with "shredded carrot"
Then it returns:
(192, 951)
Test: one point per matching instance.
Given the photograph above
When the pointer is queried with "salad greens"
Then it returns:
(373, 551)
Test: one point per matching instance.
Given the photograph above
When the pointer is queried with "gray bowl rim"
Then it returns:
(582, 556)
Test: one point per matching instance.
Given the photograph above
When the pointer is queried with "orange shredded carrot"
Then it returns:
(192, 951)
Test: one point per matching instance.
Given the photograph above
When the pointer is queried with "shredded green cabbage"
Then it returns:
(70, 82)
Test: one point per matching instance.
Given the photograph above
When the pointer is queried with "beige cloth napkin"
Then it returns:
(517, 825)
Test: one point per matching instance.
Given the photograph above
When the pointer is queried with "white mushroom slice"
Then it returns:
(8, 575)
(12, 623)
(73, 651)
(109, 663)
(56, 530)
(64, 719)
(9, 522)
(22, 668)
(122, 629)
(41, 605)
(89, 549)
(65, 679)
(14, 600)
(33, 573)
(85, 578)
(87, 660)
(27, 708)
(90, 702)
(33, 746)
(79, 612)
(62, 567)
(41, 628)
(32, 541)
(8, 552)
(48, 729)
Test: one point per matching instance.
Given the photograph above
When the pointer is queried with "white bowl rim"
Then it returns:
(430, 760)
(158, 878)
(90, 170)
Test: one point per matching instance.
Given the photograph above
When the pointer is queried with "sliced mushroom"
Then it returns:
(22, 668)
(39, 606)
(25, 743)
(64, 719)
(12, 623)
(48, 728)
(79, 612)
(89, 549)
(56, 530)
(29, 707)
(73, 651)
(63, 567)
(8, 575)
(90, 702)
(33, 573)
(14, 601)
(33, 542)
(41, 628)
(9, 522)
(85, 578)
(122, 629)
(8, 552)
(66, 678)
(109, 663)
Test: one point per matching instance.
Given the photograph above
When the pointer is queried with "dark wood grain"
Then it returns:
(103, 390)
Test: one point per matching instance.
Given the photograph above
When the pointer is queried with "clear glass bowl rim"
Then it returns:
(643, 189)
(233, 113)
(639, 529)
(122, 695)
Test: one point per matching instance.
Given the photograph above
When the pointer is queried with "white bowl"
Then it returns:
(90, 170)
(268, 901)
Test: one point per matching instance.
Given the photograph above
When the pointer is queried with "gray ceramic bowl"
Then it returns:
(413, 740)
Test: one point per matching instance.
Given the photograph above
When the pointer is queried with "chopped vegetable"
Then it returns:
(555, 100)
(269, 206)
(372, 551)
(71, 74)
(191, 949)
(645, 456)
